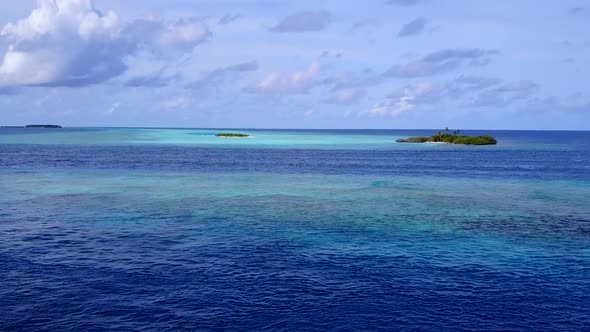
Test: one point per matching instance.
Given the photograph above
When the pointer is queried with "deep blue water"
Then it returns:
(162, 229)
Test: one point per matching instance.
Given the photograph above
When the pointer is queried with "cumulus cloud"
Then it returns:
(70, 43)
(412, 28)
(441, 61)
(220, 75)
(303, 22)
(289, 83)
(52, 44)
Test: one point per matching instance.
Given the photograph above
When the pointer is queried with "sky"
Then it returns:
(464, 64)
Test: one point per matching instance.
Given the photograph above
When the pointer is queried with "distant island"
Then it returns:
(234, 135)
(43, 126)
(34, 126)
(451, 138)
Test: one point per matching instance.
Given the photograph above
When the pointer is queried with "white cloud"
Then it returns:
(392, 107)
(295, 82)
(70, 43)
(463, 92)
(61, 16)
(406, 100)
(165, 38)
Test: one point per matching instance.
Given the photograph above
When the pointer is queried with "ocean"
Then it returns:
(139, 229)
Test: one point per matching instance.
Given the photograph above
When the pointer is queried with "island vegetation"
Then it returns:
(450, 138)
(43, 126)
(34, 126)
(236, 135)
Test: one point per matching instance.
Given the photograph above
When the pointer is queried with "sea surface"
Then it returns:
(292, 230)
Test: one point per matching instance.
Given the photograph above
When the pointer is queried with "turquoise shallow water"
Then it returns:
(268, 138)
(332, 231)
(264, 138)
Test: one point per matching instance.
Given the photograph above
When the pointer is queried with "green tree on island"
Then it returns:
(451, 138)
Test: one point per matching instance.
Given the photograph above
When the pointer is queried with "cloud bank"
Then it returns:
(299, 82)
(70, 43)
(442, 61)
(463, 92)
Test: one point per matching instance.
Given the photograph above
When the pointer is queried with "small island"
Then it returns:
(451, 138)
(42, 126)
(232, 135)
(34, 126)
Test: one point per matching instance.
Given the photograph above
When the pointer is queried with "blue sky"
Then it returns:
(520, 64)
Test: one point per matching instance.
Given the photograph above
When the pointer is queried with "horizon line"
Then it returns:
(287, 128)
